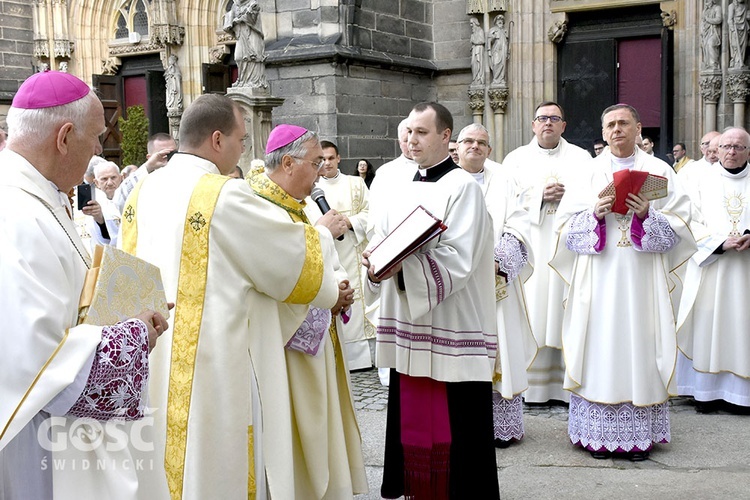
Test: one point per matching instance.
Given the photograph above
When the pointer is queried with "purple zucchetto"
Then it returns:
(283, 135)
(49, 89)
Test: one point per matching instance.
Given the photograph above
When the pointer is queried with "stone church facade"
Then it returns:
(352, 69)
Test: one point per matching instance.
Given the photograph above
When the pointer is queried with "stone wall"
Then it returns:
(16, 48)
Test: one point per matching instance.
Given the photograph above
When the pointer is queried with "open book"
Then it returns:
(419, 227)
(120, 286)
(649, 186)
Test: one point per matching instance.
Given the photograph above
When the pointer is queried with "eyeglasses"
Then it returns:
(735, 147)
(480, 142)
(318, 165)
(544, 118)
(676, 151)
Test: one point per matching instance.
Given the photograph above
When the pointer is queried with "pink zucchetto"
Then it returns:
(49, 89)
(283, 135)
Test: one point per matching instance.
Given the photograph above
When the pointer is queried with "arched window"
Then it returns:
(132, 18)
(122, 27)
(140, 19)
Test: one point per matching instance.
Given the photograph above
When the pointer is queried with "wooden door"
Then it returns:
(587, 84)
(111, 94)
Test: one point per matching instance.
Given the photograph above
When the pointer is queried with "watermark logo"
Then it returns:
(67, 436)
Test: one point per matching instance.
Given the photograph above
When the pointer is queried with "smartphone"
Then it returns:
(84, 194)
(171, 154)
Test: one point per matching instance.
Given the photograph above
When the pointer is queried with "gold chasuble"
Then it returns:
(309, 281)
(191, 291)
(326, 452)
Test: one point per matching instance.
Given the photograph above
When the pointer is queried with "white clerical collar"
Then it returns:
(328, 179)
(478, 176)
(623, 163)
(550, 151)
(423, 171)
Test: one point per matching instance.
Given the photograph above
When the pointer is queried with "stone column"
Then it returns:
(498, 103)
(738, 90)
(257, 107)
(710, 87)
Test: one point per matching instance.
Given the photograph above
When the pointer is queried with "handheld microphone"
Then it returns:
(319, 197)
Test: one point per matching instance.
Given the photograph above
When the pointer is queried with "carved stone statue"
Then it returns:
(499, 45)
(173, 77)
(243, 20)
(737, 20)
(711, 35)
(477, 52)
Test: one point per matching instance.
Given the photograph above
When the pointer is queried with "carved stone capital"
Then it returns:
(556, 32)
(710, 87)
(63, 49)
(737, 87)
(499, 99)
(167, 34)
(41, 48)
(476, 100)
(669, 19)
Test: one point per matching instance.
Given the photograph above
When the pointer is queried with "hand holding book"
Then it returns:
(646, 186)
(419, 227)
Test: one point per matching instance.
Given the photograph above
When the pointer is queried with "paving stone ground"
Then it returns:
(708, 458)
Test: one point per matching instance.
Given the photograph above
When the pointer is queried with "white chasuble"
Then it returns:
(533, 169)
(44, 358)
(619, 338)
(243, 279)
(349, 196)
(516, 344)
(714, 306)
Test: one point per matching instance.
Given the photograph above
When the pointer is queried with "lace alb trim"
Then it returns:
(119, 375)
(617, 428)
(582, 237)
(511, 255)
(659, 236)
(507, 416)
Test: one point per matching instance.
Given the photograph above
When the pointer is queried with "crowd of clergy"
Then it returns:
(556, 279)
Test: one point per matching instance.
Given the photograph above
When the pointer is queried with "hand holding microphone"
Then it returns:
(334, 221)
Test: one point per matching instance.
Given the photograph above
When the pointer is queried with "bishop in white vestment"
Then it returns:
(60, 381)
(619, 337)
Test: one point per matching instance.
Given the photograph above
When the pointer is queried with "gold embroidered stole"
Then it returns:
(191, 291)
(311, 277)
(128, 221)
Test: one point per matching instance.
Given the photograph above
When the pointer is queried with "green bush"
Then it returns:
(134, 136)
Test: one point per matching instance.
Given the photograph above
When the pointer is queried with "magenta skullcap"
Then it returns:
(49, 89)
(283, 135)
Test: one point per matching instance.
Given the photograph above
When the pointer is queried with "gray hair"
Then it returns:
(296, 149)
(102, 165)
(33, 126)
(473, 126)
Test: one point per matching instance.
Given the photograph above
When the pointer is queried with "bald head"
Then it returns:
(107, 177)
(733, 148)
(706, 140)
